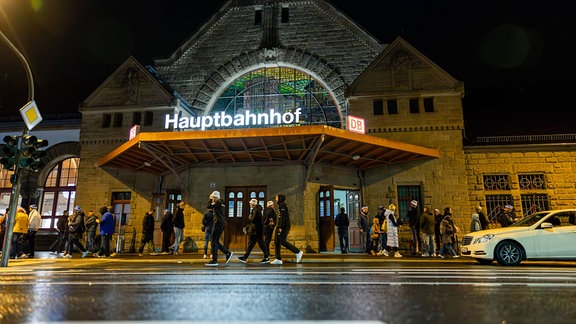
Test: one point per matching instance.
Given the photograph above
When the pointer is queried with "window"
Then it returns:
(106, 120)
(118, 119)
(59, 191)
(392, 107)
(282, 89)
(495, 203)
(235, 204)
(285, 15)
(121, 207)
(532, 203)
(5, 189)
(405, 195)
(148, 118)
(258, 17)
(531, 181)
(414, 108)
(378, 107)
(428, 105)
(136, 118)
(173, 197)
(496, 182)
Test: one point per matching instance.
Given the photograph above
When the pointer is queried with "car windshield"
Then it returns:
(530, 219)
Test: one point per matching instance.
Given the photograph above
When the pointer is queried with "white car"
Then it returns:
(546, 235)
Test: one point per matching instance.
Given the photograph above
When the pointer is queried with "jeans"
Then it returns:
(429, 243)
(216, 245)
(166, 236)
(178, 235)
(281, 241)
(90, 240)
(343, 237)
(105, 244)
(31, 242)
(252, 240)
(447, 248)
(207, 237)
(59, 243)
(268, 234)
(415, 247)
(146, 240)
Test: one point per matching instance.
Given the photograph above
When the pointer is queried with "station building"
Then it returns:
(293, 97)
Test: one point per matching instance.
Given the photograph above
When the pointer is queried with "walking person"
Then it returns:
(382, 219)
(107, 226)
(91, 223)
(217, 205)
(167, 228)
(393, 223)
(414, 223)
(33, 227)
(254, 230)
(342, 222)
(76, 230)
(447, 231)
(21, 223)
(282, 230)
(364, 225)
(427, 223)
(207, 221)
(147, 233)
(59, 243)
(437, 235)
(269, 223)
(179, 225)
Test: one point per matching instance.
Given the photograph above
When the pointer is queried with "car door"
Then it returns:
(557, 242)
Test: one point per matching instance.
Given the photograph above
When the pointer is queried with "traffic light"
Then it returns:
(9, 152)
(31, 153)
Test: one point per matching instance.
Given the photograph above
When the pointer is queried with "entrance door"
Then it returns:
(238, 209)
(326, 218)
(353, 210)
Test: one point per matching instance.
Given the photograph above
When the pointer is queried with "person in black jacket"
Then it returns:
(178, 228)
(282, 230)
(342, 221)
(269, 223)
(147, 233)
(217, 206)
(59, 243)
(254, 230)
(167, 228)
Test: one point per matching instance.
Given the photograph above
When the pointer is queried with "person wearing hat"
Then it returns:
(217, 205)
(414, 222)
(179, 225)
(505, 217)
(364, 226)
(33, 227)
(437, 235)
(269, 223)
(254, 230)
(76, 228)
(167, 228)
(392, 225)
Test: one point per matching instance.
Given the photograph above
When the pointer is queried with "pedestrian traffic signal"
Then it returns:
(32, 153)
(9, 152)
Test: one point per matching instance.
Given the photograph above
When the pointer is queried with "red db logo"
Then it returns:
(356, 125)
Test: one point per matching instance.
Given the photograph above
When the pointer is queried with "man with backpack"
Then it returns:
(76, 229)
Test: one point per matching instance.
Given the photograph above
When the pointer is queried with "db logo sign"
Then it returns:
(356, 125)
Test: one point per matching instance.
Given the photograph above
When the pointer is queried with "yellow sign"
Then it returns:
(31, 114)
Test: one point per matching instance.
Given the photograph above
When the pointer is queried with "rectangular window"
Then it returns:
(148, 118)
(136, 118)
(258, 17)
(532, 203)
(106, 120)
(495, 203)
(496, 182)
(428, 105)
(405, 195)
(392, 107)
(532, 181)
(121, 206)
(118, 119)
(285, 15)
(378, 107)
(414, 108)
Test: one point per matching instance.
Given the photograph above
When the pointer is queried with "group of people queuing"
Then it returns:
(262, 224)
(432, 233)
(26, 225)
(171, 225)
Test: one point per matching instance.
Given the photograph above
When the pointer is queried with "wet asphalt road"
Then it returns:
(410, 290)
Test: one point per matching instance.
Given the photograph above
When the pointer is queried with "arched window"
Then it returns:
(5, 189)
(282, 89)
(59, 191)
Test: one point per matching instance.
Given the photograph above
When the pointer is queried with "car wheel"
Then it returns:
(508, 253)
(484, 261)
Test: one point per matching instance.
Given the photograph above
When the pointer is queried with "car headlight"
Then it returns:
(484, 239)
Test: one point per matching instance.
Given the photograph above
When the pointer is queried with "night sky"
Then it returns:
(517, 59)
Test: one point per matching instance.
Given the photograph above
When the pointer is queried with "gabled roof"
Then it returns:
(163, 152)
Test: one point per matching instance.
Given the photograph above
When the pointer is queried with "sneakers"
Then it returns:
(442, 257)
(242, 259)
(397, 254)
(278, 261)
(265, 260)
(176, 253)
(205, 256)
(228, 257)
(166, 253)
(68, 255)
(85, 253)
(384, 253)
(299, 256)
(456, 257)
(212, 264)
(139, 254)
(23, 256)
(426, 254)
(153, 253)
(373, 253)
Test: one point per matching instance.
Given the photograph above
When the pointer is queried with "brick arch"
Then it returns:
(293, 58)
(54, 155)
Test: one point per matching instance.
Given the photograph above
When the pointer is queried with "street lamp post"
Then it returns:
(11, 217)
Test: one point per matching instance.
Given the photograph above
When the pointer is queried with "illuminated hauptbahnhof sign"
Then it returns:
(222, 120)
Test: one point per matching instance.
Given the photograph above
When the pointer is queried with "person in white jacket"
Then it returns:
(392, 224)
(34, 218)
